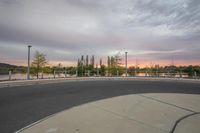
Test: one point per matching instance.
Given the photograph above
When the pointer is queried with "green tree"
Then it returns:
(102, 70)
(38, 63)
(114, 65)
(47, 69)
(132, 70)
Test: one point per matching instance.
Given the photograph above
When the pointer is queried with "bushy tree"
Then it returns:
(114, 63)
(38, 63)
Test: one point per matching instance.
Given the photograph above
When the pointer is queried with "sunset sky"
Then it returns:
(151, 31)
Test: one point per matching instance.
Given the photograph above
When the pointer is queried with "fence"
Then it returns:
(66, 74)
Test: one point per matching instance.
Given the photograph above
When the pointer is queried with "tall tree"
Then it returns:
(82, 60)
(108, 61)
(92, 61)
(102, 70)
(79, 67)
(115, 61)
(87, 60)
(78, 63)
(39, 62)
(112, 61)
(100, 62)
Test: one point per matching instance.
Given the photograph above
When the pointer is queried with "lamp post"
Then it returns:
(28, 68)
(126, 63)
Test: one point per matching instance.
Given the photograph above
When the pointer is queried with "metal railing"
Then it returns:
(66, 74)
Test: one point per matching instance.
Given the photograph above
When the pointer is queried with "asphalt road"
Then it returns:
(21, 106)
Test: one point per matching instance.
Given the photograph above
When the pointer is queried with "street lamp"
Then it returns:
(126, 62)
(28, 68)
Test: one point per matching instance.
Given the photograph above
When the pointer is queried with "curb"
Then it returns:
(61, 80)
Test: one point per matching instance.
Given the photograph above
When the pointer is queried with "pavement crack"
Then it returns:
(126, 117)
(182, 118)
(160, 101)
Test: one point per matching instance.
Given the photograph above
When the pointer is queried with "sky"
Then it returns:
(151, 31)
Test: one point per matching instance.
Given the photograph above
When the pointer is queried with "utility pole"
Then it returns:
(126, 62)
(28, 68)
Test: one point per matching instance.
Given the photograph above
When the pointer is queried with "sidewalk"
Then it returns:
(138, 113)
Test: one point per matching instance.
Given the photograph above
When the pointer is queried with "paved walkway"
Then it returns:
(136, 113)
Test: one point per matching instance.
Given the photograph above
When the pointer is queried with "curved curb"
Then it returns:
(61, 80)
(181, 119)
(24, 128)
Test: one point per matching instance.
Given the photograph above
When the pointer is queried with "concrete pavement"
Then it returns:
(189, 125)
(137, 113)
